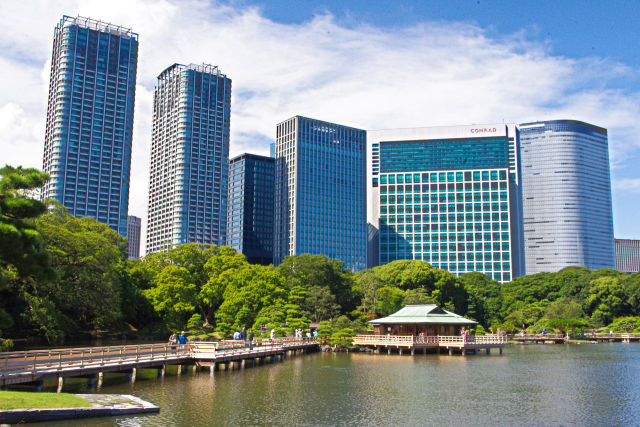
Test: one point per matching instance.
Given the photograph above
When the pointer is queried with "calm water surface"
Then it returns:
(588, 384)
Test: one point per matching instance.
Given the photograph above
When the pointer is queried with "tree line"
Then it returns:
(63, 276)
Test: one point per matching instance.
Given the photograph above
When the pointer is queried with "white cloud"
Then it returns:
(428, 74)
(627, 184)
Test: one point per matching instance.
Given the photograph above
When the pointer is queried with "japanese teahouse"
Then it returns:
(428, 319)
(426, 326)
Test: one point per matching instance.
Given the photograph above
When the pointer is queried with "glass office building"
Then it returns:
(446, 195)
(189, 157)
(134, 224)
(250, 207)
(89, 127)
(320, 191)
(566, 189)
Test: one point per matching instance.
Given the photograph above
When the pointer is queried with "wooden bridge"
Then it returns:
(411, 342)
(560, 338)
(29, 366)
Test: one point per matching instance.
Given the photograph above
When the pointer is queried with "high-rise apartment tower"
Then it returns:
(566, 190)
(189, 157)
(320, 193)
(89, 128)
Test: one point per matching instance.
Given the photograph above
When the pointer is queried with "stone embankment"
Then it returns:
(102, 405)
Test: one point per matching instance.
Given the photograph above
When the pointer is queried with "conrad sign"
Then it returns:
(484, 130)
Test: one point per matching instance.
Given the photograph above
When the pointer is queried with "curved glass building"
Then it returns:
(566, 195)
(87, 148)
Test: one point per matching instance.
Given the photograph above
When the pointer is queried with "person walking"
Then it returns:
(251, 339)
(243, 335)
(173, 340)
(182, 339)
(272, 334)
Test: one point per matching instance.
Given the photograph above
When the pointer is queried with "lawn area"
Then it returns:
(30, 400)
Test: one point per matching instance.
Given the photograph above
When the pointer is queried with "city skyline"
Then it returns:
(538, 83)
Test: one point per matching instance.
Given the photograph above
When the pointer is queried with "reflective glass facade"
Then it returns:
(250, 207)
(90, 119)
(189, 157)
(133, 236)
(320, 193)
(447, 197)
(566, 189)
(627, 255)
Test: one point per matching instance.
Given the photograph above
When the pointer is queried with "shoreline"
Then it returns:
(102, 405)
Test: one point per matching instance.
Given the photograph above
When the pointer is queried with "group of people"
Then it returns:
(242, 335)
(308, 334)
(176, 339)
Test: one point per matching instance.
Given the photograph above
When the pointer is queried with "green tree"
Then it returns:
(417, 296)
(253, 293)
(89, 260)
(485, 297)
(22, 251)
(320, 304)
(388, 300)
(606, 300)
(319, 271)
(173, 296)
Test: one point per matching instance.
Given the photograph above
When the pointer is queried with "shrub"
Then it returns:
(625, 324)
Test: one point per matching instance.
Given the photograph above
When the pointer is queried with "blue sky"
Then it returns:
(370, 64)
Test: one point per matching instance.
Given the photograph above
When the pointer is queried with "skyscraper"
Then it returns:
(566, 190)
(627, 255)
(133, 236)
(250, 207)
(189, 157)
(89, 128)
(320, 193)
(446, 195)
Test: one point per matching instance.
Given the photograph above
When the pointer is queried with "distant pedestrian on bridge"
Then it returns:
(182, 339)
(251, 339)
(173, 340)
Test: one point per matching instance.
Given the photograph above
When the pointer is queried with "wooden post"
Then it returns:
(60, 384)
(450, 352)
(388, 350)
(464, 352)
(179, 372)
(211, 369)
(413, 351)
(488, 350)
(161, 371)
(100, 378)
(195, 368)
(400, 351)
(500, 350)
(424, 350)
(226, 366)
(133, 375)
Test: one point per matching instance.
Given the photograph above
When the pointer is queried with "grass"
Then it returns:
(32, 400)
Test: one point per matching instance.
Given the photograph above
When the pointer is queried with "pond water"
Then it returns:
(587, 384)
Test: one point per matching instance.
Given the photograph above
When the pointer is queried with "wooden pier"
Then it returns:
(412, 343)
(29, 366)
(560, 338)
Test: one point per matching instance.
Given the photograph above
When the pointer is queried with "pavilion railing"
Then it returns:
(440, 340)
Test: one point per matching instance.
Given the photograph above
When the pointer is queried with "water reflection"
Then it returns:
(528, 385)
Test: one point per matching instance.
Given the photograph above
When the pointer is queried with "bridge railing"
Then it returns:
(442, 340)
(59, 359)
